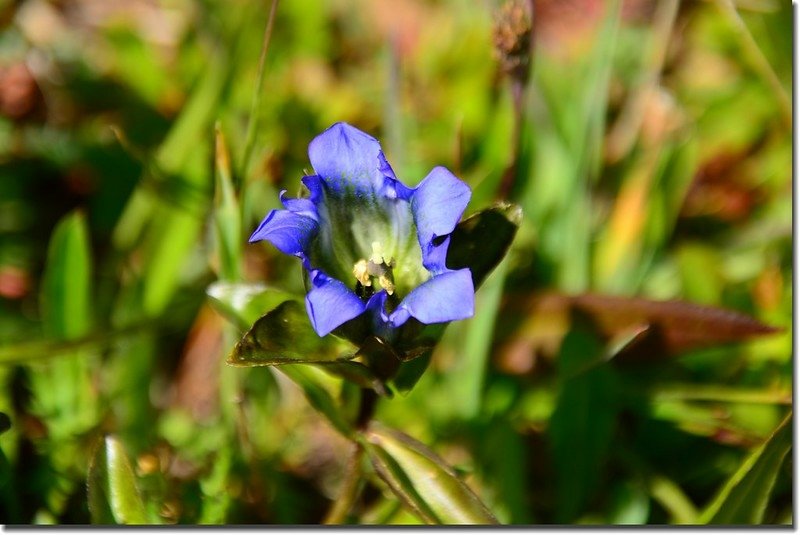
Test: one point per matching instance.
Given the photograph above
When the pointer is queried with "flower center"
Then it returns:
(377, 266)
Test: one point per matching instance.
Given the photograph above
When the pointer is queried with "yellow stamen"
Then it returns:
(386, 283)
(361, 272)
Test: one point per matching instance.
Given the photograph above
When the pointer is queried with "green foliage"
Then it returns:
(113, 496)
(585, 413)
(745, 496)
(422, 480)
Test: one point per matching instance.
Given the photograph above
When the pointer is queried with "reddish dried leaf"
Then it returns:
(673, 327)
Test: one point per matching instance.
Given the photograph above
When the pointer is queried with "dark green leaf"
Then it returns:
(481, 241)
(584, 415)
(285, 336)
(415, 339)
(422, 480)
(113, 496)
(466, 381)
(744, 497)
(379, 356)
(410, 372)
(357, 373)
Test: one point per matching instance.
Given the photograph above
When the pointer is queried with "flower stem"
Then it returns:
(350, 491)
(366, 409)
(352, 484)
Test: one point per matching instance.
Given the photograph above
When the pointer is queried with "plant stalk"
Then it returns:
(350, 491)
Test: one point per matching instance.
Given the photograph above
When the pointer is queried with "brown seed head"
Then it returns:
(513, 27)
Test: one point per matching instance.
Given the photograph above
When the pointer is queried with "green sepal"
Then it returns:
(482, 240)
(410, 372)
(358, 374)
(285, 336)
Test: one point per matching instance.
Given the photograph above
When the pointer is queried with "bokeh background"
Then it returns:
(647, 142)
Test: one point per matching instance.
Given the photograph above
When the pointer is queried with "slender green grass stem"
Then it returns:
(760, 62)
(624, 132)
(252, 123)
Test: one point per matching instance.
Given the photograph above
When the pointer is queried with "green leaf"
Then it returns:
(243, 303)
(410, 372)
(584, 415)
(227, 216)
(422, 480)
(65, 296)
(285, 336)
(744, 497)
(64, 393)
(216, 498)
(481, 241)
(466, 381)
(113, 496)
(357, 373)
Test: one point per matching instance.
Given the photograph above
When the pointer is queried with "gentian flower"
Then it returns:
(369, 244)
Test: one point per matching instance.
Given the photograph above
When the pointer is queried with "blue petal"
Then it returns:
(289, 232)
(300, 206)
(434, 256)
(330, 303)
(347, 160)
(315, 187)
(437, 205)
(376, 306)
(446, 297)
(392, 188)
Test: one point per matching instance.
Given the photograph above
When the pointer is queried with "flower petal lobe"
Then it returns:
(288, 231)
(330, 303)
(446, 297)
(437, 204)
(347, 159)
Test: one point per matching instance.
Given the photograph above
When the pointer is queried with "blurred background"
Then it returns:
(647, 142)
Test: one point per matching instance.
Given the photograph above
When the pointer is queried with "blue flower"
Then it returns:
(369, 244)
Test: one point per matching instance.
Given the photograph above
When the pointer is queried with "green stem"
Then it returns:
(350, 491)
(252, 124)
(366, 409)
